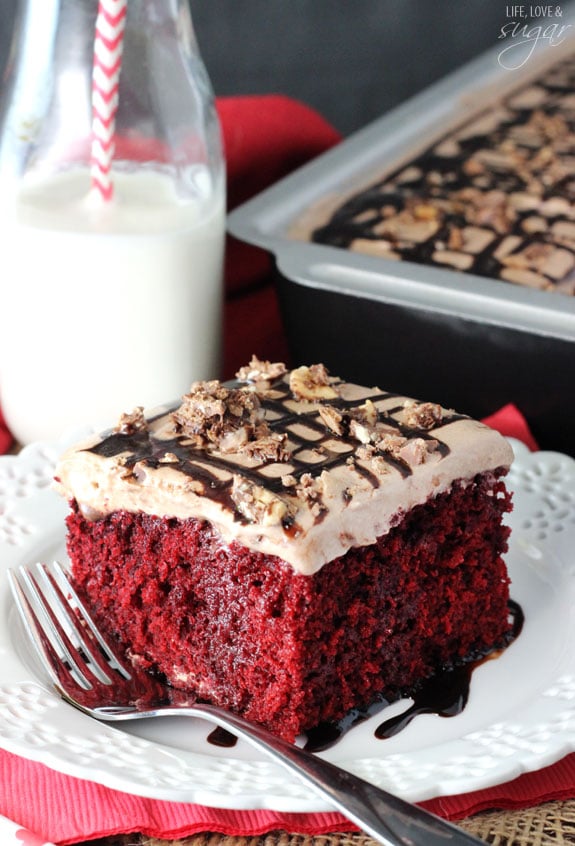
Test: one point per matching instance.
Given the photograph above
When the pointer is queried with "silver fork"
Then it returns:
(87, 674)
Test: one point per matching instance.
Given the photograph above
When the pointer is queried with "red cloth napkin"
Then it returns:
(265, 138)
(66, 810)
(6, 439)
(512, 424)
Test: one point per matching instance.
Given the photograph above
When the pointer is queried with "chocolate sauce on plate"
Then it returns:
(445, 694)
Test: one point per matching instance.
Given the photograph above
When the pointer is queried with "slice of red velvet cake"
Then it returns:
(290, 546)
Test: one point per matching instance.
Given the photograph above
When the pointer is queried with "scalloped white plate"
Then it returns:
(520, 715)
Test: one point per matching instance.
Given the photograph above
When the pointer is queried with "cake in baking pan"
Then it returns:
(494, 197)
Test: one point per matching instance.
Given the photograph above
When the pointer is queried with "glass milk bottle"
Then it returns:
(112, 197)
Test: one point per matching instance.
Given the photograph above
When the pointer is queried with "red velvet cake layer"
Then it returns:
(244, 630)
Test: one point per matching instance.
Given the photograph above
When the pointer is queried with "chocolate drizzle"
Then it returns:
(446, 693)
(307, 436)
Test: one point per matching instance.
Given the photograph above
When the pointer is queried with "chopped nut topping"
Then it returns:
(332, 418)
(425, 211)
(455, 239)
(408, 226)
(492, 208)
(379, 248)
(373, 456)
(525, 277)
(462, 261)
(424, 415)
(234, 440)
(261, 372)
(133, 421)
(366, 413)
(257, 504)
(270, 447)
(169, 458)
(552, 126)
(534, 224)
(139, 471)
(223, 418)
(457, 205)
(360, 431)
(312, 383)
(379, 464)
(473, 167)
(564, 232)
(195, 486)
(391, 444)
(410, 174)
(366, 452)
(410, 451)
(542, 257)
(310, 490)
(414, 452)
(498, 160)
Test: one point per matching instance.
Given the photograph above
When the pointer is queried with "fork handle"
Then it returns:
(388, 819)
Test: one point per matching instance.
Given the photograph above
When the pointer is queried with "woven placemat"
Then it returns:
(551, 824)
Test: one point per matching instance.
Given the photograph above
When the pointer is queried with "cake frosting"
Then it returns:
(300, 464)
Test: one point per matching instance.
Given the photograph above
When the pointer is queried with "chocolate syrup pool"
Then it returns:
(444, 694)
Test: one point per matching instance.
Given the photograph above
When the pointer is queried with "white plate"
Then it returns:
(520, 715)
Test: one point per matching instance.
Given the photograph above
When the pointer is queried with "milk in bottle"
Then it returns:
(109, 302)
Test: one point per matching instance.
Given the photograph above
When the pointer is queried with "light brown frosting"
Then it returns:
(300, 465)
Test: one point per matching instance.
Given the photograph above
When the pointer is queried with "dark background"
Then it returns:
(352, 60)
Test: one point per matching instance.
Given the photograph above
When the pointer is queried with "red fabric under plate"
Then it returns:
(6, 439)
(66, 810)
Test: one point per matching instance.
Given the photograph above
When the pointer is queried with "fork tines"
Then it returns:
(65, 636)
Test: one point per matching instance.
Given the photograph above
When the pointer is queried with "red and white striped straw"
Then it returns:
(108, 45)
